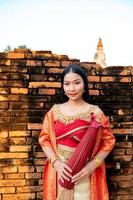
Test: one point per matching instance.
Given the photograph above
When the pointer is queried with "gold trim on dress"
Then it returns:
(67, 119)
(65, 152)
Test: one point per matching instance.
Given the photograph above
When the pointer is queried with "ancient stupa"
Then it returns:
(99, 56)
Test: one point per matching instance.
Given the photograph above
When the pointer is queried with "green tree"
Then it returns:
(8, 48)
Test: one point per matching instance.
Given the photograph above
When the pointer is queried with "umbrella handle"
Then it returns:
(59, 195)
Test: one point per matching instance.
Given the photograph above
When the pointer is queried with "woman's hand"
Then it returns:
(86, 171)
(63, 170)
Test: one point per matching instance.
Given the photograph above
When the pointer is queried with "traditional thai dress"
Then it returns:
(64, 133)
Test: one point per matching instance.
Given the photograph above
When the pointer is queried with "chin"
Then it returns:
(75, 98)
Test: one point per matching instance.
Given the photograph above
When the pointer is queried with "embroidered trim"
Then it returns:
(67, 119)
(64, 153)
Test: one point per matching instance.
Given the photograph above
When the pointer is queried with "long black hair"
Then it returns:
(78, 70)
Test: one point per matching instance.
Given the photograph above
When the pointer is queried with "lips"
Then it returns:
(72, 94)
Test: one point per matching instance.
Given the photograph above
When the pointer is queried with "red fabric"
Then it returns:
(104, 142)
(61, 129)
(82, 151)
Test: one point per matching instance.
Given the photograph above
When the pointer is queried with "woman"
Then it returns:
(63, 129)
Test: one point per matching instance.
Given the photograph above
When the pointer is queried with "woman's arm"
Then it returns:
(106, 145)
(61, 167)
(91, 166)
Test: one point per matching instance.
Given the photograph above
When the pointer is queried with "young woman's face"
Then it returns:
(73, 86)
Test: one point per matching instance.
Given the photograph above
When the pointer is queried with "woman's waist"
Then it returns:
(65, 152)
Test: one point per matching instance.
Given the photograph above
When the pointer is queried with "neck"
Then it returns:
(76, 103)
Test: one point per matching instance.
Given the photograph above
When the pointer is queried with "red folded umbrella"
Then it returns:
(81, 153)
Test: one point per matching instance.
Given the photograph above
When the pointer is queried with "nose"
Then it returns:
(71, 87)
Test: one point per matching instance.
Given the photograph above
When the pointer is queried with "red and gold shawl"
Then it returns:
(105, 142)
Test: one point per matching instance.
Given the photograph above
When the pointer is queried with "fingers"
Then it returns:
(79, 175)
(64, 176)
(65, 171)
(68, 168)
(69, 175)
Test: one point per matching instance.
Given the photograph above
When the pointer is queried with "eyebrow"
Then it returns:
(74, 80)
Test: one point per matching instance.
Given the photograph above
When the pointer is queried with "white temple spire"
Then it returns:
(99, 56)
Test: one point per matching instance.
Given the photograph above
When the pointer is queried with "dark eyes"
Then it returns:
(74, 83)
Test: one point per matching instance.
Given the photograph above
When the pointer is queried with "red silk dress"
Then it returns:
(68, 137)
(64, 133)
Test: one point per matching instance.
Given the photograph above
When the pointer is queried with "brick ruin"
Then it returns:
(29, 85)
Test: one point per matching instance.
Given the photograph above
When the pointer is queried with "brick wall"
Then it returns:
(29, 85)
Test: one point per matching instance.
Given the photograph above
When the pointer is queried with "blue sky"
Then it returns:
(70, 27)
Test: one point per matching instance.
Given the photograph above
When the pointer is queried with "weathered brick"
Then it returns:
(125, 79)
(35, 133)
(14, 176)
(93, 92)
(12, 55)
(4, 113)
(51, 63)
(40, 195)
(124, 144)
(120, 178)
(29, 189)
(26, 168)
(47, 91)
(14, 69)
(125, 197)
(39, 168)
(3, 105)
(54, 70)
(21, 196)
(4, 148)
(35, 175)
(35, 63)
(3, 98)
(107, 79)
(123, 158)
(12, 183)
(19, 90)
(39, 154)
(18, 141)
(14, 83)
(21, 161)
(5, 62)
(119, 152)
(34, 126)
(93, 79)
(3, 134)
(16, 76)
(125, 184)
(4, 90)
(129, 151)
(122, 131)
(19, 133)
(44, 84)
(14, 155)
(36, 104)
(1, 176)
(20, 148)
(7, 190)
(9, 169)
(17, 105)
(41, 182)
(39, 161)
